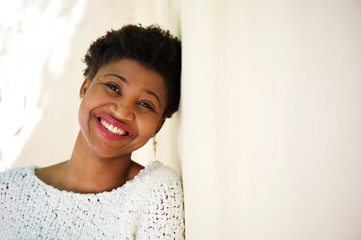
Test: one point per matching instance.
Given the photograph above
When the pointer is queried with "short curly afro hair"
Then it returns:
(152, 46)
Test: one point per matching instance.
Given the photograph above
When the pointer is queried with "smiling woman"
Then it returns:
(132, 84)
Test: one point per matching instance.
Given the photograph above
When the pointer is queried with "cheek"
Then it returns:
(149, 127)
(83, 112)
(81, 115)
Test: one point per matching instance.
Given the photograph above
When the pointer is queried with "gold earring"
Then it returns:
(155, 148)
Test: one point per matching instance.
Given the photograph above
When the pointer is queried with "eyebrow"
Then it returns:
(155, 95)
(123, 79)
(126, 81)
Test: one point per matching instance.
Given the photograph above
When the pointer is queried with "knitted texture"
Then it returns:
(150, 206)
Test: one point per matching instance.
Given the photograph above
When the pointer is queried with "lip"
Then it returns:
(106, 133)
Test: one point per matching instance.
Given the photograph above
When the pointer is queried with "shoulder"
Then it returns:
(158, 169)
(14, 180)
(162, 176)
(15, 173)
(165, 188)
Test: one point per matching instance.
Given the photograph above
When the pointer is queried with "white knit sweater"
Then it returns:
(150, 206)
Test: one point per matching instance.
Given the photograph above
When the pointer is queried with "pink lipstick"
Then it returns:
(111, 128)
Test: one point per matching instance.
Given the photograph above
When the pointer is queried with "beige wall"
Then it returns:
(270, 119)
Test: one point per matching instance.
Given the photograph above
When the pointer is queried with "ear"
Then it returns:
(160, 125)
(84, 87)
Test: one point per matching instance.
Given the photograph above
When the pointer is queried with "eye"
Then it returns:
(147, 105)
(113, 87)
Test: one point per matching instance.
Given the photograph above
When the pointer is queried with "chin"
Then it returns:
(109, 154)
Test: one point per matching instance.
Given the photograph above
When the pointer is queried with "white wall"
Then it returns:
(42, 44)
(270, 119)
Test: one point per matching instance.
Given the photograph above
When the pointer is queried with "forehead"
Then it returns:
(132, 69)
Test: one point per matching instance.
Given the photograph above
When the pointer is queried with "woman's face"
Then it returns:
(122, 108)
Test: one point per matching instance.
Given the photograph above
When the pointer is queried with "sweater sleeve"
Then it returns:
(163, 215)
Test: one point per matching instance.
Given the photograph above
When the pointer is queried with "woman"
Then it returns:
(132, 84)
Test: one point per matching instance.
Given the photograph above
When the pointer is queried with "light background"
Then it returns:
(268, 134)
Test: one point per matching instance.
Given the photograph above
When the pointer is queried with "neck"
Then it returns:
(86, 172)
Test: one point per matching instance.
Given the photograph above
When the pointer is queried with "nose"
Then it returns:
(123, 110)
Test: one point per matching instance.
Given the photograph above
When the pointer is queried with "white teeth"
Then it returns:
(112, 128)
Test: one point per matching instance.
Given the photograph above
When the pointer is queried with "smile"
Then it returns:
(112, 128)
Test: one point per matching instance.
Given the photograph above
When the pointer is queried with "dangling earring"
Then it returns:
(155, 148)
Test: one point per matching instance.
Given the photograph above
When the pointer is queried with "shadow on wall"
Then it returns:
(37, 45)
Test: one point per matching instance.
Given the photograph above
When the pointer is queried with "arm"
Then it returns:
(163, 216)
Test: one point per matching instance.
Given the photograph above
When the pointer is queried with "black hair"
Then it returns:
(152, 46)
